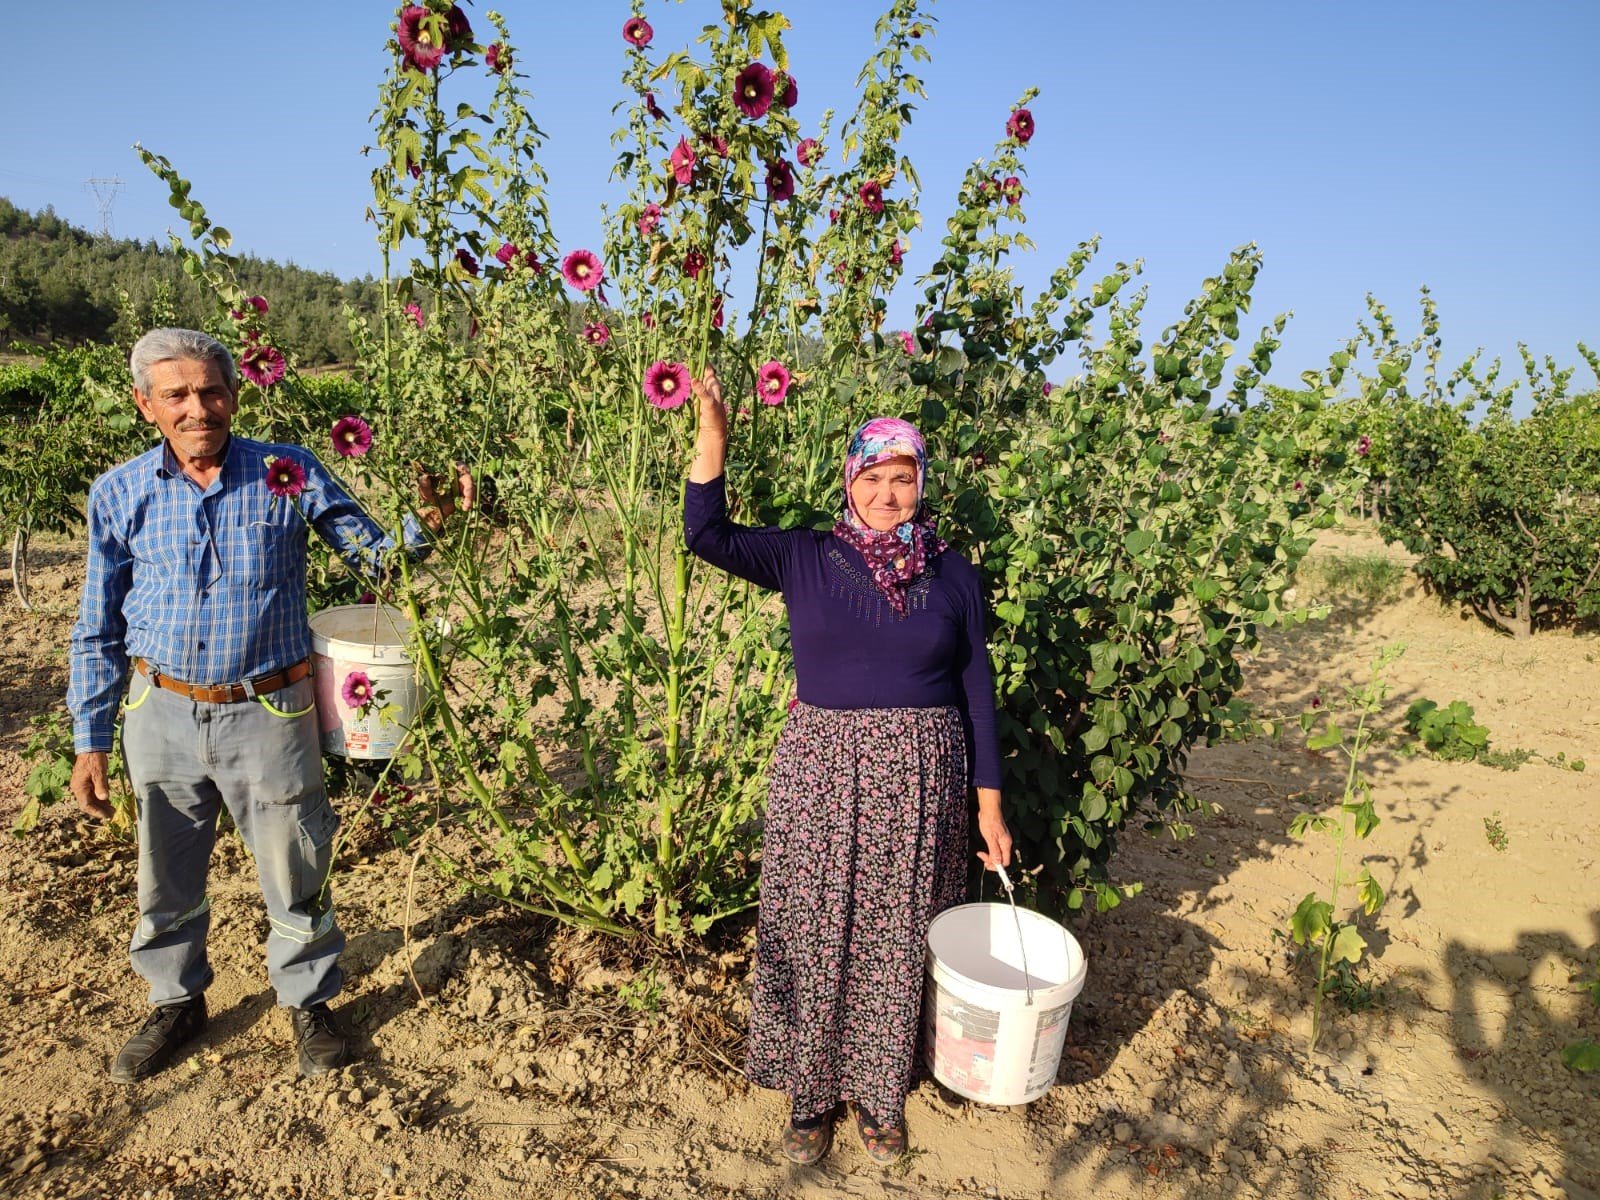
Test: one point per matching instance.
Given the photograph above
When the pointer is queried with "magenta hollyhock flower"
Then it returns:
(752, 91)
(531, 261)
(666, 384)
(907, 342)
(648, 320)
(780, 180)
(286, 478)
(417, 40)
(582, 270)
(597, 333)
(791, 91)
(772, 382)
(498, 58)
(808, 151)
(896, 254)
(1020, 125)
(456, 29)
(1363, 445)
(1047, 389)
(468, 263)
(651, 107)
(872, 196)
(506, 253)
(649, 219)
(352, 437)
(682, 163)
(1011, 189)
(1299, 486)
(716, 314)
(472, 328)
(259, 303)
(414, 311)
(358, 691)
(412, 169)
(693, 263)
(637, 31)
(833, 216)
(262, 365)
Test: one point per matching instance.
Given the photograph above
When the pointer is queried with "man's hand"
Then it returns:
(91, 783)
(433, 508)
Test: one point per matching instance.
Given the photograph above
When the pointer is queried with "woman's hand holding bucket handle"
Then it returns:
(992, 826)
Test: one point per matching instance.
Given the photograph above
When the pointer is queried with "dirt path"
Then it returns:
(544, 1064)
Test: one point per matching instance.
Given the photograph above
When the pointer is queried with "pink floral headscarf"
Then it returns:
(895, 556)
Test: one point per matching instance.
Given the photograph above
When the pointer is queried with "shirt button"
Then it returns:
(202, 645)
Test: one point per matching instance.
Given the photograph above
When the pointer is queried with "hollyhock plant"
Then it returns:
(693, 263)
(506, 253)
(648, 320)
(597, 333)
(651, 107)
(1047, 389)
(907, 343)
(352, 437)
(414, 311)
(468, 263)
(808, 151)
(286, 478)
(790, 96)
(259, 303)
(582, 270)
(1363, 445)
(896, 254)
(1020, 125)
(772, 382)
(752, 91)
(716, 313)
(683, 163)
(498, 58)
(637, 32)
(666, 384)
(649, 219)
(872, 196)
(417, 40)
(262, 365)
(1011, 189)
(780, 180)
(358, 691)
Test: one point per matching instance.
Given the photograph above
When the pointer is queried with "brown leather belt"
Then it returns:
(226, 693)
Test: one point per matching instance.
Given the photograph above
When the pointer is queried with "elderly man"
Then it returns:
(197, 581)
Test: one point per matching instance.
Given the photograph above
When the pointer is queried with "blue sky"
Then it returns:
(1365, 146)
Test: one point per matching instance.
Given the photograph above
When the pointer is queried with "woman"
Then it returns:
(866, 829)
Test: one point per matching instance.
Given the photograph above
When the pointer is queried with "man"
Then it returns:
(197, 580)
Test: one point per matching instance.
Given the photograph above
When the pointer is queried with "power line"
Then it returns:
(105, 194)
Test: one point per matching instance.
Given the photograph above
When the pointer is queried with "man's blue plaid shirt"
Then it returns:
(207, 586)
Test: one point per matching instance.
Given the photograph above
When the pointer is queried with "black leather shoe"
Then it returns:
(322, 1044)
(158, 1039)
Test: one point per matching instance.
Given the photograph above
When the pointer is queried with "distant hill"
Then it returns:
(61, 285)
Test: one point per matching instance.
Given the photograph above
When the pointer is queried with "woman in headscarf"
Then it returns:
(867, 817)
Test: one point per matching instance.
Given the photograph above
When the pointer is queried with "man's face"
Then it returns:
(190, 402)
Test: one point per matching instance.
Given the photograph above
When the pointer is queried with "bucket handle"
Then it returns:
(1022, 948)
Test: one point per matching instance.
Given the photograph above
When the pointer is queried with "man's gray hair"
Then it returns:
(164, 345)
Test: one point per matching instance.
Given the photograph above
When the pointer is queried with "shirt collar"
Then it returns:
(167, 464)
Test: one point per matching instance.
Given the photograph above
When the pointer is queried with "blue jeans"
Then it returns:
(262, 758)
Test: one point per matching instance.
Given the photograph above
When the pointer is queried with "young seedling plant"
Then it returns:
(1315, 923)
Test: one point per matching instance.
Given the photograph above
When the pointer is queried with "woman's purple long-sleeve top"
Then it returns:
(851, 649)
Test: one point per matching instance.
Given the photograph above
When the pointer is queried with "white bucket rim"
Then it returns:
(398, 625)
(1064, 991)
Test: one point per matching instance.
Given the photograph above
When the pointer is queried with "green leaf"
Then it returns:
(1311, 920)
(1094, 739)
(1348, 945)
(1137, 541)
(1330, 737)
(1372, 895)
(1582, 1056)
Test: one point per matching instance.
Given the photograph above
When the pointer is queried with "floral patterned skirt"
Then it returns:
(866, 842)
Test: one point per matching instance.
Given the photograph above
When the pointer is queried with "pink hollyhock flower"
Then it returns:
(456, 29)
(648, 320)
(366, 598)
(716, 314)
(417, 40)
(1020, 125)
(597, 333)
(1011, 189)
(791, 91)
(1363, 445)
(649, 219)
(582, 270)
(1047, 389)
(352, 437)
(752, 91)
(772, 382)
(531, 261)
(358, 691)
(472, 328)
(896, 255)
(780, 180)
(259, 303)
(506, 253)
(1299, 486)
(412, 169)
(414, 311)
(693, 263)
(872, 196)
(468, 263)
(637, 31)
(286, 478)
(498, 58)
(833, 216)
(682, 163)
(666, 384)
(651, 107)
(715, 146)
(262, 365)
(907, 342)
(808, 151)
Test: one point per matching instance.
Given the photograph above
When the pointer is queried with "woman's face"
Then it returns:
(885, 494)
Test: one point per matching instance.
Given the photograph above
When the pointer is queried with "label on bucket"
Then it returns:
(1050, 1034)
(961, 1040)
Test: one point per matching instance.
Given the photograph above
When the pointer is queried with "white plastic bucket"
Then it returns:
(983, 1039)
(371, 639)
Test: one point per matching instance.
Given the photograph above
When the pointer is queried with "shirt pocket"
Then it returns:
(268, 553)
